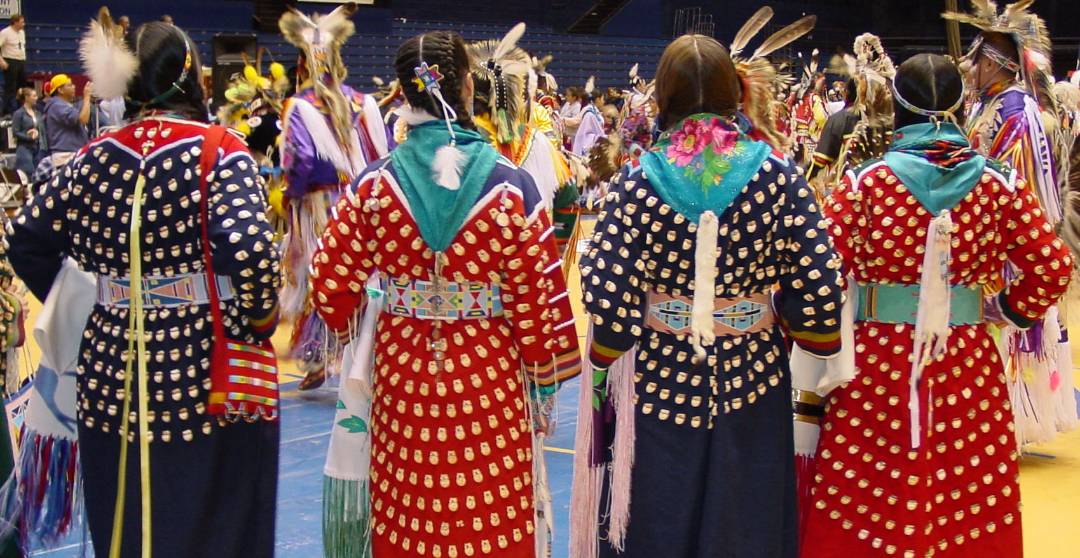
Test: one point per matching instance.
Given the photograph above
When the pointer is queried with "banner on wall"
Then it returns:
(8, 8)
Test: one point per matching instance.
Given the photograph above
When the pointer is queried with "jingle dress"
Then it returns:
(713, 455)
(956, 494)
(214, 483)
(468, 332)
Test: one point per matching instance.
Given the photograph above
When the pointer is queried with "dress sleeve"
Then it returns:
(536, 299)
(242, 239)
(612, 277)
(1044, 261)
(811, 287)
(39, 237)
(342, 264)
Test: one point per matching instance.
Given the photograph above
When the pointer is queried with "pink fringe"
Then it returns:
(621, 389)
(588, 481)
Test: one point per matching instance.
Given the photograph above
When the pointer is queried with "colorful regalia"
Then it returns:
(808, 112)
(1009, 123)
(917, 455)
(862, 131)
(591, 128)
(638, 115)
(329, 134)
(684, 443)
(222, 504)
(474, 336)
(12, 336)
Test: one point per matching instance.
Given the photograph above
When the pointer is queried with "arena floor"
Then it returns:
(1050, 475)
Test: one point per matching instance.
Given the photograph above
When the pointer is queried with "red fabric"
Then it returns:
(243, 376)
(958, 494)
(451, 468)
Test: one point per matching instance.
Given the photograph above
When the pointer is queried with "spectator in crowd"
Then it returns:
(13, 60)
(125, 23)
(65, 123)
(167, 19)
(29, 128)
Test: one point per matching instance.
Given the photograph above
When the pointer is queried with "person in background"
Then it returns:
(167, 19)
(13, 59)
(65, 123)
(28, 125)
(570, 113)
(125, 24)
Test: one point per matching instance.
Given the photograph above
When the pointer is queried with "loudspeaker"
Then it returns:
(229, 51)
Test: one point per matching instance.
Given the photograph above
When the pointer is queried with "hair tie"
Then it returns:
(935, 115)
(427, 79)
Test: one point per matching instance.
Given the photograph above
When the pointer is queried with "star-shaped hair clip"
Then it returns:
(427, 77)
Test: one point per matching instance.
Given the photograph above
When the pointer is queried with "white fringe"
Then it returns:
(702, 328)
(326, 144)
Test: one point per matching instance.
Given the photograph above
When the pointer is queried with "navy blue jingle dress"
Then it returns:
(213, 483)
(713, 465)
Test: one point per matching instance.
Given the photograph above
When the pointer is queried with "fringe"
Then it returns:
(49, 502)
(621, 389)
(346, 519)
(804, 489)
(587, 488)
(307, 219)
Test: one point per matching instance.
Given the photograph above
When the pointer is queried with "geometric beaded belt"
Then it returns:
(162, 292)
(899, 304)
(441, 300)
(731, 316)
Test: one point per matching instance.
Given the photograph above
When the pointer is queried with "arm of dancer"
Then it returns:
(242, 238)
(536, 299)
(612, 279)
(1044, 262)
(811, 286)
(39, 235)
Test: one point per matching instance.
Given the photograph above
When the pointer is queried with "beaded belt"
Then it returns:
(162, 292)
(899, 304)
(731, 316)
(441, 300)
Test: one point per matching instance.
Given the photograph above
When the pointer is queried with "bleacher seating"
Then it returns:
(54, 48)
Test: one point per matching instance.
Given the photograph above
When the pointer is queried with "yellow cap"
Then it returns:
(57, 81)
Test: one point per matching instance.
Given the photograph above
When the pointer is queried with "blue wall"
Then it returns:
(231, 14)
(638, 18)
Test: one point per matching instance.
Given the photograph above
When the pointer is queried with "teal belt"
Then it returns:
(899, 304)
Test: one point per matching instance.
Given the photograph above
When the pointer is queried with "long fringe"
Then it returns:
(49, 503)
(346, 519)
(621, 388)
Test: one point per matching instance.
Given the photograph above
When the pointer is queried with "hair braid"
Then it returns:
(447, 50)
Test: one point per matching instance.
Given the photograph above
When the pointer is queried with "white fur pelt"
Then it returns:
(702, 325)
(106, 57)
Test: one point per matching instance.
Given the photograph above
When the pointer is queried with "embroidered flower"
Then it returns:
(688, 142)
(723, 140)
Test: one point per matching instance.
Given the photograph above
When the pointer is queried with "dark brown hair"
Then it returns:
(447, 50)
(695, 75)
(161, 49)
(927, 81)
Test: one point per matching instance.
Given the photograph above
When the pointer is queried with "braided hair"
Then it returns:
(447, 50)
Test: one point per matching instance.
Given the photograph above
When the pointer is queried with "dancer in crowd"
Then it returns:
(808, 110)
(638, 115)
(863, 130)
(690, 384)
(167, 213)
(1009, 65)
(329, 134)
(475, 332)
(502, 112)
(917, 455)
(589, 123)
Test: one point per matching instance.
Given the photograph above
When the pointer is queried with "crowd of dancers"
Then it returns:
(824, 320)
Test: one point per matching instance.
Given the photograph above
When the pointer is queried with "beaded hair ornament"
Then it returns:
(427, 80)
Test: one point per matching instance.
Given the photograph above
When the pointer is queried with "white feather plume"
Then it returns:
(590, 85)
(106, 58)
(446, 168)
(509, 41)
(633, 71)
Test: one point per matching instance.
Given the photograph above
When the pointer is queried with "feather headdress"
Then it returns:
(1030, 34)
(873, 71)
(320, 38)
(504, 68)
(760, 79)
(106, 57)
